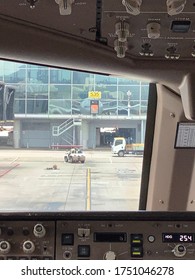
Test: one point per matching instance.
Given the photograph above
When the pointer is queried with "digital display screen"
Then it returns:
(94, 106)
(110, 237)
(178, 237)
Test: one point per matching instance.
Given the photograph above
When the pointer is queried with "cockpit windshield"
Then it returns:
(44, 113)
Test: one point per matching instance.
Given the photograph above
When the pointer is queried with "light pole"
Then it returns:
(129, 105)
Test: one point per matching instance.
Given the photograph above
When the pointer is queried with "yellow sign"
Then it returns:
(95, 94)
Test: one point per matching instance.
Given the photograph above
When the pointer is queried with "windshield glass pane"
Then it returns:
(69, 140)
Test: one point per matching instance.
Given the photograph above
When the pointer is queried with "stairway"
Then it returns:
(65, 126)
(63, 134)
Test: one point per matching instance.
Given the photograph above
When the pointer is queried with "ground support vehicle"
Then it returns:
(120, 147)
(75, 155)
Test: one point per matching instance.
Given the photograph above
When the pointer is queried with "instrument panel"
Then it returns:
(141, 29)
(97, 236)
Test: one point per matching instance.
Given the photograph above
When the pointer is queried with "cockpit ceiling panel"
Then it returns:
(150, 35)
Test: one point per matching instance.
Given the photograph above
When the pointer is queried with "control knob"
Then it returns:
(175, 7)
(39, 230)
(110, 255)
(5, 247)
(179, 251)
(28, 247)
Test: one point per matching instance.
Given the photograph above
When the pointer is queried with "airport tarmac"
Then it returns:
(104, 182)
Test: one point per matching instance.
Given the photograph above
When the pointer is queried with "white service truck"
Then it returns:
(120, 147)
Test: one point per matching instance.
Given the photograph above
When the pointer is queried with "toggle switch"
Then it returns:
(153, 30)
(83, 232)
(122, 30)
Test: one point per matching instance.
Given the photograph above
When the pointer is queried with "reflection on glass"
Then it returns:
(60, 76)
(144, 92)
(122, 81)
(38, 82)
(108, 92)
(60, 92)
(82, 78)
(35, 66)
(105, 80)
(38, 91)
(134, 90)
(19, 106)
(144, 107)
(37, 76)
(109, 107)
(81, 92)
(20, 90)
(15, 77)
(59, 107)
(76, 106)
(37, 106)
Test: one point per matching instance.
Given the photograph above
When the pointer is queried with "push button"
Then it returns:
(137, 245)
(67, 239)
(84, 251)
(136, 239)
(137, 252)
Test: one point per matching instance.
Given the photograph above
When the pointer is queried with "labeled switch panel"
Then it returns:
(27, 240)
(112, 240)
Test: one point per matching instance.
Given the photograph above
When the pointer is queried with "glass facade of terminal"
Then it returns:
(52, 91)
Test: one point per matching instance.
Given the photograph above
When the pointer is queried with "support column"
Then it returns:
(85, 134)
(17, 133)
(78, 135)
(92, 136)
(97, 137)
(142, 131)
(73, 135)
(138, 132)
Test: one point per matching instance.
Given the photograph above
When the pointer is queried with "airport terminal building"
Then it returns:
(58, 107)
